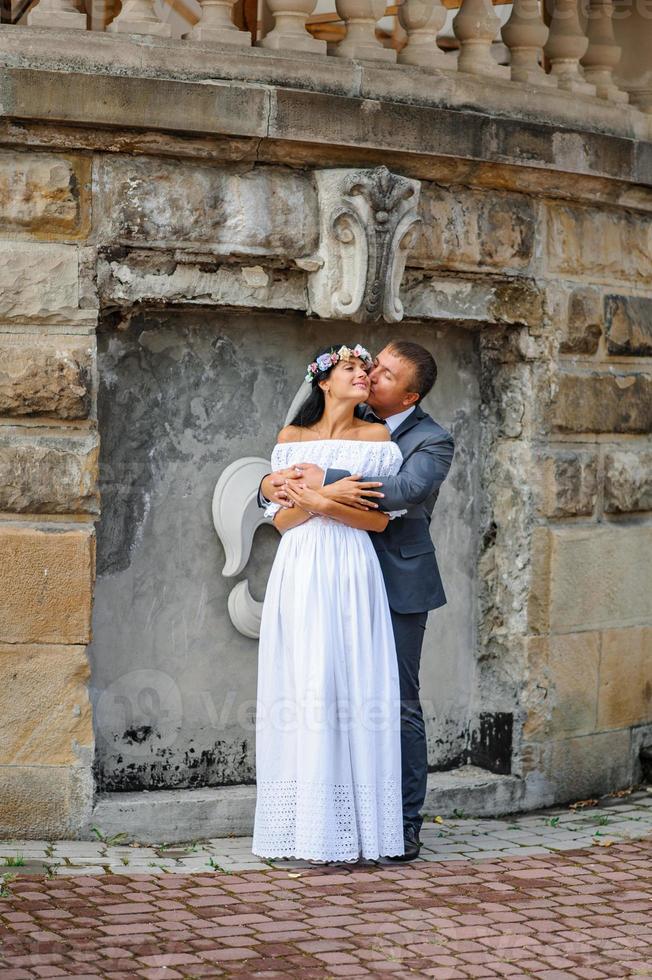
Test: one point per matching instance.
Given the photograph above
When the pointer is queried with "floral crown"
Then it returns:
(327, 360)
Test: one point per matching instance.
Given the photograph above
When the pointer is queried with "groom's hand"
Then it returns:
(353, 492)
(273, 486)
(311, 475)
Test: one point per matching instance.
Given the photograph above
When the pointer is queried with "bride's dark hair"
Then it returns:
(312, 408)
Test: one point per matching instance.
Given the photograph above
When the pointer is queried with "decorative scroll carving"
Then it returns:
(236, 516)
(367, 226)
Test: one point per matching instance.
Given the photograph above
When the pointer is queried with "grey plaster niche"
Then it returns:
(367, 225)
(236, 516)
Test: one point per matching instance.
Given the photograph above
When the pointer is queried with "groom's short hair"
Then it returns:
(423, 364)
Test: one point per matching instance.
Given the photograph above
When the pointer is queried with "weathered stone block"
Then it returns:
(584, 325)
(99, 98)
(471, 301)
(44, 194)
(45, 802)
(599, 576)
(625, 694)
(536, 696)
(603, 403)
(627, 481)
(225, 210)
(47, 585)
(538, 608)
(566, 483)
(45, 713)
(590, 765)
(45, 375)
(38, 281)
(628, 321)
(614, 244)
(463, 228)
(574, 660)
(518, 301)
(140, 277)
(49, 474)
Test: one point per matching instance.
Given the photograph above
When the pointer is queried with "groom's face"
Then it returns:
(392, 384)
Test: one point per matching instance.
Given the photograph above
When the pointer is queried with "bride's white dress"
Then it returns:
(328, 748)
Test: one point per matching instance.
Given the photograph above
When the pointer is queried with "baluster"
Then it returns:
(602, 54)
(56, 13)
(525, 34)
(422, 20)
(139, 17)
(565, 46)
(361, 43)
(215, 25)
(475, 26)
(289, 32)
(641, 95)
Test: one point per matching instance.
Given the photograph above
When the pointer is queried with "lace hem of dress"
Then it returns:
(328, 821)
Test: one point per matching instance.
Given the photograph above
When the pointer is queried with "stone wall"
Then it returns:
(534, 288)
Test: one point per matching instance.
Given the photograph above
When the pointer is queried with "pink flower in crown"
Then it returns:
(334, 358)
(361, 352)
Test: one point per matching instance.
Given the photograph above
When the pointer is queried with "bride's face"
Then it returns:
(348, 381)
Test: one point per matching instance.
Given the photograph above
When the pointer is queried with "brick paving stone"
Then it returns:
(578, 912)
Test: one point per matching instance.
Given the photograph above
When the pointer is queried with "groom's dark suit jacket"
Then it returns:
(405, 549)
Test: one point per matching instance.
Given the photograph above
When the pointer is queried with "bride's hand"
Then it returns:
(309, 500)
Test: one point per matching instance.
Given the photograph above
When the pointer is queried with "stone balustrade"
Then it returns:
(601, 50)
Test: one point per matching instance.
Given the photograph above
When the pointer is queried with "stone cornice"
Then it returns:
(287, 108)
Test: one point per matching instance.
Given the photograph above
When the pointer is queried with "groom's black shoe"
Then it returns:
(412, 846)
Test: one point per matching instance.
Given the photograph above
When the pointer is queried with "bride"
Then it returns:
(328, 744)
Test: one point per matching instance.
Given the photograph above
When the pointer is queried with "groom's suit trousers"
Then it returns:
(409, 629)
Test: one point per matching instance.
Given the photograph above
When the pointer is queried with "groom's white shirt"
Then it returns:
(393, 421)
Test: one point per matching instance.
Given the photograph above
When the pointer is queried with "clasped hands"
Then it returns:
(301, 486)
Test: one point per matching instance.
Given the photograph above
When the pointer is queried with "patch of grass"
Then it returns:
(212, 863)
(460, 814)
(553, 822)
(5, 881)
(161, 867)
(15, 861)
(125, 860)
(109, 841)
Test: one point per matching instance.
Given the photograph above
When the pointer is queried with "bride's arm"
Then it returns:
(288, 517)
(315, 502)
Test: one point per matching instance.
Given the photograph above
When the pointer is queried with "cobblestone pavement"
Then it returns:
(561, 893)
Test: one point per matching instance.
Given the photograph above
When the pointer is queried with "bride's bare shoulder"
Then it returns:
(375, 432)
(290, 433)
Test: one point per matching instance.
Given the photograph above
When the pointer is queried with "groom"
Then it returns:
(402, 374)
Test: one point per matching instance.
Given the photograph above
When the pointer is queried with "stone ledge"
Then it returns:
(277, 120)
(181, 815)
(168, 58)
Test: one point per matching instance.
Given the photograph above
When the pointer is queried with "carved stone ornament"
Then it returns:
(236, 517)
(367, 222)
